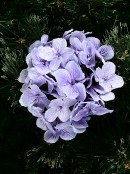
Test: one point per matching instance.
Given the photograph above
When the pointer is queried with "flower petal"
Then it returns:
(23, 75)
(81, 90)
(106, 51)
(51, 137)
(108, 69)
(94, 41)
(62, 77)
(108, 96)
(37, 78)
(36, 111)
(44, 38)
(80, 126)
(76, 43)
(56, 103)
(41, 124)
(67, 133)
(27, 98)
(64, 114)
(75, 71)
(59, 44)
(70, 91)
(46, 53)
(93, 94)
(54, 64)
(116, 82)
(51, 114)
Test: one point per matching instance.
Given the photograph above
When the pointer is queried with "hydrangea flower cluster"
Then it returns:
(68, 80)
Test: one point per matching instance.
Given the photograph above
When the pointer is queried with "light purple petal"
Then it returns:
(62, 76)
(69, 102)
(56, 103)
(29, 60)
(99, 110)
(59, 44)
(46, 53)
(80, 126)
(99, 89)
(93, 94)
(23, 75)
(67, 34)
(106, 51)
(41, 124)
(51, 114)
(27, 98)
(79, 34)
(70, 91)
(64, 114)
(106, 85)
(98, 74)
(66, 54)
(51, 137)
(54, 64)
(75, 71)
(36, 77)
(67, 133)
(108, 96)
(43, 69)
(108, 69)
(116, 82)
(36, 111)
(44, 38)
(81, 90)
(61, 126)
(76, 43)
(34, 45)
(94, 41)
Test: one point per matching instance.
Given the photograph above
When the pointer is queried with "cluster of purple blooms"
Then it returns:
(68, 80)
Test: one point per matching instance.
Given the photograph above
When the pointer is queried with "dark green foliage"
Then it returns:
(105, 147)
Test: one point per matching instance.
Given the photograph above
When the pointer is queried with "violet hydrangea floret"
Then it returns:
(68, 80)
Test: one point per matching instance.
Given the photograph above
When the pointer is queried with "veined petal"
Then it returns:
(106, 51)
(81, 90)
(54, 64)
(51, 114)
(36, 77)
(75, 71)
(56, 103)
(70, 91)
(41, 123)
(69, 102)
(94, 41)
(76, 43)
(64, 114)
(27, 98)
(51, 137)
(108, 69)
(80, 126)
(116, 81)
(35, 111)
(46, 53)
(59, 44)
(62, 76)
(79, 34)
(67, 133)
